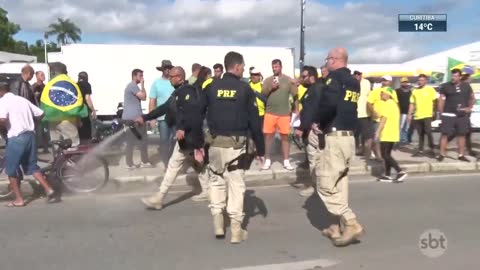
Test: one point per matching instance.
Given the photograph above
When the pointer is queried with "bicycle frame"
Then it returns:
(2, 164)
(60, 155)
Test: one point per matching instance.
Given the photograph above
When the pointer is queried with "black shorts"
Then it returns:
(365, 127)
(458, 126)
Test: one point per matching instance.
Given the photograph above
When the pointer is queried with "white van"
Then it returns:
(13, 70)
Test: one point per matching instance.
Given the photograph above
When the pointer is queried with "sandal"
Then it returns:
(13, 204)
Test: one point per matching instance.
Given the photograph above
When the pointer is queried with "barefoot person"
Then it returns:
(16, 115)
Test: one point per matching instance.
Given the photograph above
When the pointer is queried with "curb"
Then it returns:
(258, 178)
(283, 176)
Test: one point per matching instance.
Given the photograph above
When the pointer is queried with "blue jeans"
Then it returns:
(167, 142)
(404, 126)
(21, 151)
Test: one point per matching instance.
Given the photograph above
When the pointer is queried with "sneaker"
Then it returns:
(431, 153)
(440, 158)
(400, 177)
(131, 167)
(267, 164)
(385, 179)
(287, 165)
(463, 158)
(418, 154)
(146, 165)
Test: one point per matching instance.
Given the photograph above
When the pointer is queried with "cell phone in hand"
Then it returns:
(275, 79)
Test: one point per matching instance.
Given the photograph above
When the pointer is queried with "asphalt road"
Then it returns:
(113, 231)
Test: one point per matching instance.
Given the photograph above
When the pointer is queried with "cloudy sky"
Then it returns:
(368, 29)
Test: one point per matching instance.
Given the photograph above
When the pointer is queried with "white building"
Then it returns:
(434, 63)
(6, 57)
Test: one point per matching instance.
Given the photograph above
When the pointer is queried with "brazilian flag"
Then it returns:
(61, 100)
(454, 63)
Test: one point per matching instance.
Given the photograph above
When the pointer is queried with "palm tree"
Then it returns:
(66, 31)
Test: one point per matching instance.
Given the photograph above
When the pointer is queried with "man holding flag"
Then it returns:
(63, 105)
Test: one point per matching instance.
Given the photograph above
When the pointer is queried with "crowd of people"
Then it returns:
(213, 116)
(23, 125)
(212, 119)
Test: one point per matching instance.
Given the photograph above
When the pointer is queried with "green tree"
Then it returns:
(7, 31)
(37, 49)
(65, 30)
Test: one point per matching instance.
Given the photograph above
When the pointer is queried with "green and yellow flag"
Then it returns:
(454, 63)
(61, 100)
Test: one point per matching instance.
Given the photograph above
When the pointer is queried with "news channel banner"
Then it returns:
(422, 22)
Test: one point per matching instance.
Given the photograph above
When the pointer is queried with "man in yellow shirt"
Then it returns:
(374, 104)
(422, 102)
(256, 85)
(388, 133)
(364, 133)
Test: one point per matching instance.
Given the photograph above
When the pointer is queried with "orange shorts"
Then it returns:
(272, 122)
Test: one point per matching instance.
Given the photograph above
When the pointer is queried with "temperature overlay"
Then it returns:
(422, 22)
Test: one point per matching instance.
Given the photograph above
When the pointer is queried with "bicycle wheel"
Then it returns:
(5, 190)
(83, 175)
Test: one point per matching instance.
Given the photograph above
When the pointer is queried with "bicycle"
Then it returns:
(69, 168)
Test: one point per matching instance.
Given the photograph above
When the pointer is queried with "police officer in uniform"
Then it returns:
(232, 114)
(183, 109)
(309, 103)
(336, 118)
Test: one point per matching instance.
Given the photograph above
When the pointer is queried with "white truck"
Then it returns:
(12, 71)
(109, 66)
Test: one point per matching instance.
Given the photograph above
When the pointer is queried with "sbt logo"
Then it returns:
(433, 243)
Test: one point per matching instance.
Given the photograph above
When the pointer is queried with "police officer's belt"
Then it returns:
(340, 133)
(237, 142)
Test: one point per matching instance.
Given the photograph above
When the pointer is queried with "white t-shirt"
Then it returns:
(19, 112)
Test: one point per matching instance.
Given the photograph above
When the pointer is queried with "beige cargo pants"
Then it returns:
(331, 171)
(66, 129)
(312, 151)
(178, 160)
(231, 183)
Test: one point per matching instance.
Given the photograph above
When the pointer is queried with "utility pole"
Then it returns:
(45, 42)
(302, 33)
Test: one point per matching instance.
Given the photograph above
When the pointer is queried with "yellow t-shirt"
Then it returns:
(257, 87)
(423, 99)
(301, 92)
(391, 131)
(374, 97)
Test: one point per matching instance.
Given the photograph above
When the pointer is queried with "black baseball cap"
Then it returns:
(356, 72)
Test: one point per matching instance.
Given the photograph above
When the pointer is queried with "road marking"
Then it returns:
(304, 265)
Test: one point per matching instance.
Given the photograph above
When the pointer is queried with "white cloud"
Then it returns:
(369, 33)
